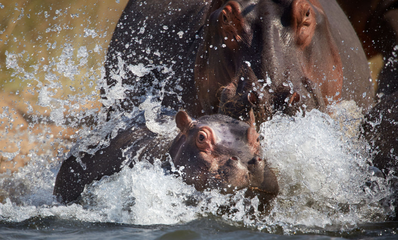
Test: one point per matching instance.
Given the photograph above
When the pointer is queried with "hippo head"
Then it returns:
(219, 152)
(268, 55)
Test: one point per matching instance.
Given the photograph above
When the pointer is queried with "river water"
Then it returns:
(328, 189)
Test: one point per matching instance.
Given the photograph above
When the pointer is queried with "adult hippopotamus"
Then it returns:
(228, 56)
(376, 23)
(216, 152)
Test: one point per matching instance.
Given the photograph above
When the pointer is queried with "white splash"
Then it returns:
(321, 172)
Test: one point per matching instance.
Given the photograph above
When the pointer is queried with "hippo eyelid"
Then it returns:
(205, 139)
(209, 132)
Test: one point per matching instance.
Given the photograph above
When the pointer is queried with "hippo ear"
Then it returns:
(252, 98)
(231, 24)
(252, 119)
(183, 120)
(295, 98)
(304, 22)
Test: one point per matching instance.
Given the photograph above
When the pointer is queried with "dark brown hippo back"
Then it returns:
(152, 52)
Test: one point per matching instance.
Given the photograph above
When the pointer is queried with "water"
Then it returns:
(327, 187)
(322, 171)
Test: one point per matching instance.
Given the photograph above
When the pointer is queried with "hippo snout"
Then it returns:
(232, 175)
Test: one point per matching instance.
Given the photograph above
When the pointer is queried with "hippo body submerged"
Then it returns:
(209, 56)
(216, 152)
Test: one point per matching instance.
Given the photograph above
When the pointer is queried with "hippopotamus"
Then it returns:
(376, 23)
(229, 56)
(380, 129)
(215, 152)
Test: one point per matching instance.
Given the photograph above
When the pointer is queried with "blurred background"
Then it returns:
(34, 33)
(51, 63)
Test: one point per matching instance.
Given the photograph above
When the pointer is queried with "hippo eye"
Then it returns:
(202, 136)
(205, 139)
(307, 14)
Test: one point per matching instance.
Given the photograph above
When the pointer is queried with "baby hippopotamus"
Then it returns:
(212, 152)
(217, 151)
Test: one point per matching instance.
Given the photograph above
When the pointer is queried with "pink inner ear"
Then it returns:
(182, 120)
(252, 139)
(252, 134)
(252, 97)
(295, 98)
(231, 24)
(252, 120)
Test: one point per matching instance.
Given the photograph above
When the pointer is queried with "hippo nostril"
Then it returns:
(234, 158)
(224, 18)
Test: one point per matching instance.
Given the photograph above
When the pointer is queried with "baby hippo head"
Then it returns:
(219, 152)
